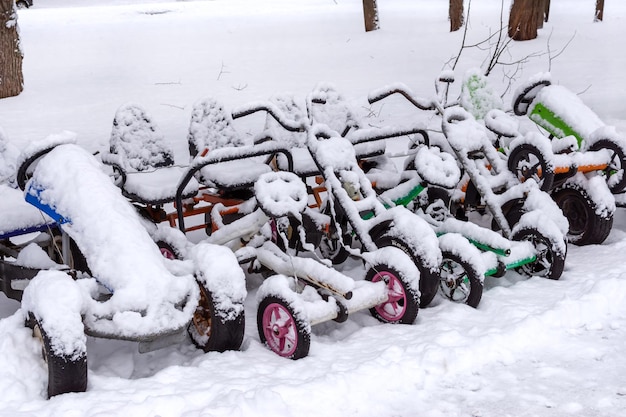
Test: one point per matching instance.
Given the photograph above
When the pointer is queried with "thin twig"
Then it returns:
(222, 71)
(174, 106)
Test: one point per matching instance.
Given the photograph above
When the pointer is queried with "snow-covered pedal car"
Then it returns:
(130, 290)
(563, 114)
(260, 219)
(580, 146)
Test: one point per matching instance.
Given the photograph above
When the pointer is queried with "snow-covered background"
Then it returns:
(532, 348)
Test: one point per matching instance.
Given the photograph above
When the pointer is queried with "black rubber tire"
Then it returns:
(549, 263)
(464, 274)
(65, 374)
(77, 259)
(409, 302)
(617, 164)
(438, 206)
(168, 250)
(586, 227)
(301, 341)
(522, 101)
(212, 333)
(333, 250)
(527, 154)
(513, 211)
(429, 281)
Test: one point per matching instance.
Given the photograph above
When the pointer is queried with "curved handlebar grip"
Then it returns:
(403, 90)
(272, 110)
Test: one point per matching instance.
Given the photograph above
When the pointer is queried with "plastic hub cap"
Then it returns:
(395, 306)
(167, 254)
(280, 329)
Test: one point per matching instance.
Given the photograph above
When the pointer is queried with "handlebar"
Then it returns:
(272, 110)
(36, 150)
(405, 91)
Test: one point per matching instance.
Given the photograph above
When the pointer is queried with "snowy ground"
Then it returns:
(532, 348)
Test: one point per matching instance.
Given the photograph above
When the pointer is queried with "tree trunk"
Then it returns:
(11, 78)
(523, 19)
(370, 12)
(546, 13)
(455, 14)
(539, 15)
(599, 11)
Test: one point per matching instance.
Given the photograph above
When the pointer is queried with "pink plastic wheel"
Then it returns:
(166, 250)
(280, 330)
(167, 254)
(394, 308)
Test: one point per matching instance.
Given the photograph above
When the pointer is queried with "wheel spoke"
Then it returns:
(280, 330)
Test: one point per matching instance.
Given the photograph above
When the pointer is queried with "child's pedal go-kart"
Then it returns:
(351, 220)
(580, 164)
(249, 208)
(127, 289)
(520, 211)
(258, 219)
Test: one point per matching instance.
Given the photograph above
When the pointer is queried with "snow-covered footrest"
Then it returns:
(521, 254)
(365, 295)
(307, 269)
(484, 238)
(315, 308)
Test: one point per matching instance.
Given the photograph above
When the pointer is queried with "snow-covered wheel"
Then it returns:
(549, 263)
(66, 373)
(526, 162)
(526, 95)
(513, 211)
(333, 250)
(76, 259)
(429, 282)
(437, 205)
(211, 332)
(402, 303)
(460, 282)
(167, 250)
(615, 172)
(281, 330)
(586, 226)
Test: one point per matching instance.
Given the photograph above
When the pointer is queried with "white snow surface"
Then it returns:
(533, 347)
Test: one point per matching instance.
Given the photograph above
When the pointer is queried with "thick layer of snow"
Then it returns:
(532, 348)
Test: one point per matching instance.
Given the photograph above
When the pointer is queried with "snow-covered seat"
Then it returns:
(146, 162)
(341, 117)
(211, 128)
(303, 163)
